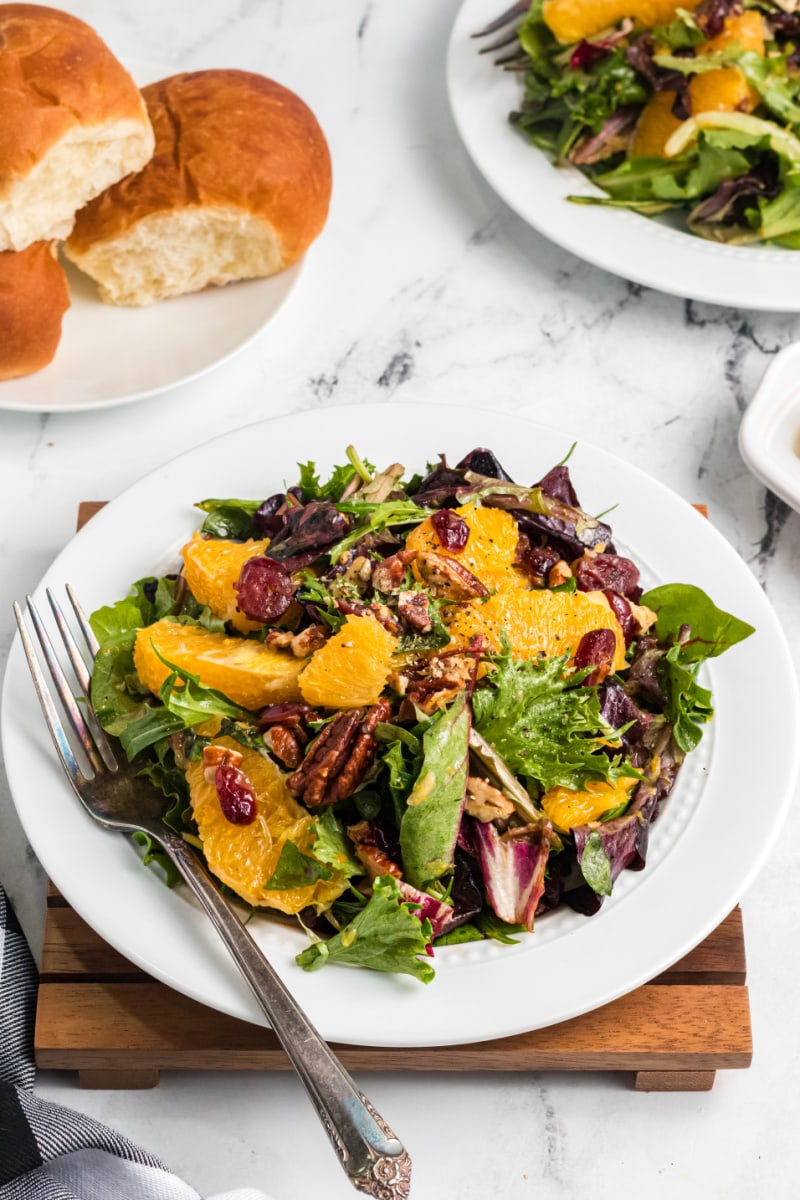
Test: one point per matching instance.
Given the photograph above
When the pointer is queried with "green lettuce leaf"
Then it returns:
(429, 826)
(332, 845)
(544, 724)
(295, 870)
(713, 631)
(595, 867)
(385, 935)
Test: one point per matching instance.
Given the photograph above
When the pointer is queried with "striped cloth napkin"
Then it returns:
(48, 1152)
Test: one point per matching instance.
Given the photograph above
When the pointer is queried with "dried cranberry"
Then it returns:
(452, 531)
(538, 561)
(264, 590)
(596, 649)
(586, 53)
(622, 611)
(236, 795)
(596, 572)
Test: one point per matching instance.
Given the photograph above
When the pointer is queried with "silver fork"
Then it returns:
(372, 1157)
(506, 24)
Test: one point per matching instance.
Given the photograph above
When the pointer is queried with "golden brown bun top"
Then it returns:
(229, 138)
(55, 74)
(33, 298)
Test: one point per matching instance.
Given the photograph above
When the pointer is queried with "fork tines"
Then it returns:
(92, 740)
(511, 14)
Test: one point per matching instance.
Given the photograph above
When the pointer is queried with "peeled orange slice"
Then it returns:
(571, 20)
(352, 667)
(245, 856)
(567, 808)
(211, 567)
(490, 549)
(247, 672)
(538, 622)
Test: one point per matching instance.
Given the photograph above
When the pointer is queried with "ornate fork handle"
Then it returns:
(373, 1158)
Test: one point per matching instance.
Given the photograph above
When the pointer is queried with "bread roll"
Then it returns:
(239, 186)
(73, 122)
(33, 298)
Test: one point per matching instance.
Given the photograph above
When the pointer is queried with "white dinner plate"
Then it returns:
(639, 248)
(700, 859)
(110, 355)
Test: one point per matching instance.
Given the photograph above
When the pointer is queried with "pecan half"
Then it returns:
(389, 575)
(301, 644)
(340, 757)
(284, 745)
(370, 852)
(433, 683)
(414, 608)
(447, 578)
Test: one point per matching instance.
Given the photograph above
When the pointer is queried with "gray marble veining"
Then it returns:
(425, 287)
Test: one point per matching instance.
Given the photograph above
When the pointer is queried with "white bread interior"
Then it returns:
(169, 253)
(80, 165)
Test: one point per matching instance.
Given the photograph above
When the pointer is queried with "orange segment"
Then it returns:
(352, 667)
(655, 126)
(211, 567)
(538, 622)
(571, 20)
(248, 673)
(245, 856)
(567, 808)
(746, 30)
(725, 90)
(490, 549)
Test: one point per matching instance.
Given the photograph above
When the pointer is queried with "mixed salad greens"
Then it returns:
(698, 112)
(409, 712)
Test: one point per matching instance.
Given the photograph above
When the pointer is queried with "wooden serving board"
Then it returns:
(103, 1017)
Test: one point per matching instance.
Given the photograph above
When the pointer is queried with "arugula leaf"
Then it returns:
(458, 936)
(186, 702)
(689, 705)
(491, 926)
(118, 698)
(713, 631)
(543, 724)
(154, 854)
(332, 489)
(595, 867)
(375, 517)
(384, 936)
(295, 870)
(333, 847)
(315, 591)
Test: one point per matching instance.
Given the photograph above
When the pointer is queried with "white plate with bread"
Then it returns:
(115, 245)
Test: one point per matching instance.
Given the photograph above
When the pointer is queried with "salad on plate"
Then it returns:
(408, 711)
(689, 107)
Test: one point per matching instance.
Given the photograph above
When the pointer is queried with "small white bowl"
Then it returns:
(769, 435)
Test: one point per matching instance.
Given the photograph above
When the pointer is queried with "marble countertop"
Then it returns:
(425, 287)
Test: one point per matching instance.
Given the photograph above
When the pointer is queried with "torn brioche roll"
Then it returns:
(238, 187)
(72, 122)
(33, 298)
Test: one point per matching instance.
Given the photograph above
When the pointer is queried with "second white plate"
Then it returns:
(110, 355)
(638, 248)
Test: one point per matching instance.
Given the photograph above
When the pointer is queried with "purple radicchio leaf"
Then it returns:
(611, 138)
(617, 709)
(639, 55)
(720, 206)
(309, 531)
(436, 911)
(513, 866)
